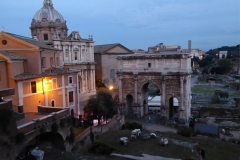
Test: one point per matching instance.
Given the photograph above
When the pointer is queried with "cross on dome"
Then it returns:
(47, 3)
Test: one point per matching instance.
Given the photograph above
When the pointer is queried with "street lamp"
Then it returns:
(111, 88)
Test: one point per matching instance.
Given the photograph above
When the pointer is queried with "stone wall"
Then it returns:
(84, 140)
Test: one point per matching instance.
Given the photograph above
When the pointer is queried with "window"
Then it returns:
(70, 97)
(45, 37)
(33, 87)
(53, 103)
(51, 61)
(70, 80)
(76, 56)
(43, 62)
(4, 42)
(149, 65)
(112, 73)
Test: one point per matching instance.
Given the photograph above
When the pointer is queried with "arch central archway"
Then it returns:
(170, 72)
(151, 99)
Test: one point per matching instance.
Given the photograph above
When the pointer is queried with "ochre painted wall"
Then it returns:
(3, 75)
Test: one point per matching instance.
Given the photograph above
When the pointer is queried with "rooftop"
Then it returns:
(11, 56)
(33, 42)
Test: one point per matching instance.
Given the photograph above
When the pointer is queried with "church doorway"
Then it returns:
(173, 108)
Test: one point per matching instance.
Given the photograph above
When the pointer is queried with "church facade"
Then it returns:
(77, 53)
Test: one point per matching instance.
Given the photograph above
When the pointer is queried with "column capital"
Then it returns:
(119, 74)
(181, 79)
(164, 78)
(135, 77)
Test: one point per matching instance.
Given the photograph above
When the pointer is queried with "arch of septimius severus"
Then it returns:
(171, 72)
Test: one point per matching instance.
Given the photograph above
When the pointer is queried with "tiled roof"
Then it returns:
(49, 72)
(33, 42)
(103, 48)
(11, 56)
(26, 75)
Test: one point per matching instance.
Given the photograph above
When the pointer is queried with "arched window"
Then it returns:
(53, 103)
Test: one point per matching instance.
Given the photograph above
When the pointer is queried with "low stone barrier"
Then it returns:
(114, 123)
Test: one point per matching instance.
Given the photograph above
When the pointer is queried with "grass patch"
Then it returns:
(205, 89)
(78, 131)
(215, 149)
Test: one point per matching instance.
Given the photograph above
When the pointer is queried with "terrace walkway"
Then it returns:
(29, 116)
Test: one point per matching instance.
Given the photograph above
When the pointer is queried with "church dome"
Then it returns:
(48, 12)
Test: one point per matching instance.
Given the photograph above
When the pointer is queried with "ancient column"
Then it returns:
(181, 108)
(94, 80)
(135, 78)
(119, 74)
(86, 79)
(163, 91)
(163, 97)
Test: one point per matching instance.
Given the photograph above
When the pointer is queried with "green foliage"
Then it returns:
(69, 121)
(101, 105)
(71, 138)
(101, 148)
(62, 123)
(205, 71)
(224, 65)
(185, 131)
(54, 127)
(71, 130)
(19, 138)
(5, 117)
(100, 84)
(219, 94)
(92, 136)
(131, 125)
(205, 61)
(153, 90)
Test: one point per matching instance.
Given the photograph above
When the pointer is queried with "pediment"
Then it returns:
(118, 49)
(12, 43)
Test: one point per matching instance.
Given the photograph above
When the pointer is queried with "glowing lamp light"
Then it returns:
(50, 81)
(111, 88)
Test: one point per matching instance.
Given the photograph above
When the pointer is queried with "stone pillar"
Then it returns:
(86, 79)
(69, 54)
(120, 84)
(181, 109)
(181, 91)
(135, 87)
(163, 97)
(94, 80)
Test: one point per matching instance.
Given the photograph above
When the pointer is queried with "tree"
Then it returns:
(224, 65)
(101, 105)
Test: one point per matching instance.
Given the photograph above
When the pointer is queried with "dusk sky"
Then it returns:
(137, 24)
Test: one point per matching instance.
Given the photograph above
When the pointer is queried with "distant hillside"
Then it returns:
(230, 49)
